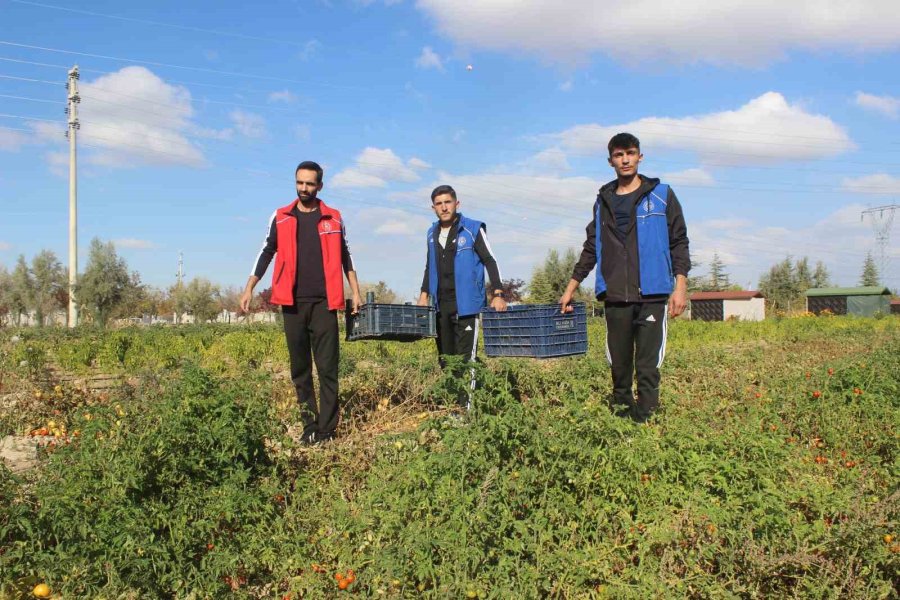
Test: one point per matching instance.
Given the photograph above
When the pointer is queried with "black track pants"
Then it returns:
(636, 344)
(458, 336)
(311, 331)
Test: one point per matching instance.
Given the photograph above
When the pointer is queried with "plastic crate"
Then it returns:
(535, 330)
(399, 322)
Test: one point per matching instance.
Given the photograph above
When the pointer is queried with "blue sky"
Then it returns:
(775, 124)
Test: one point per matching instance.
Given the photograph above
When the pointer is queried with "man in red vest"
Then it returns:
(309, 243)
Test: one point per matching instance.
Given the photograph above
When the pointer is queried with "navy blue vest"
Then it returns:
(653, 244)
(468, 270)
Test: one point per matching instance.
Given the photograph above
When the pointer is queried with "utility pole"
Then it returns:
(179, 286)
(882, 218)
(180, 273)
(74, 125)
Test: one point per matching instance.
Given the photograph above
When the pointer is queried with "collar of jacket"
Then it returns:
(326, 211)
(604, 197)
(609, 189)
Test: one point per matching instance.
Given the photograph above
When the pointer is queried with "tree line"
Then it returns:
(107, 290)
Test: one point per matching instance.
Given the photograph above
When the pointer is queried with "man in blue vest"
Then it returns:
(638, 240)
(458, 253)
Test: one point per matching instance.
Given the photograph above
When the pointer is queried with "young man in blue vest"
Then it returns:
(458, 253)
(638, 240)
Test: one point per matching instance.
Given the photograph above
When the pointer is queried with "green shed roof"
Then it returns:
(857, 291)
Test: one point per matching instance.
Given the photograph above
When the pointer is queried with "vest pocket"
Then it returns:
(280, 272)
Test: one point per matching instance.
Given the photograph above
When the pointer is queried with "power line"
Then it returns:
(31, 99)
(184, 67)
(161, 24)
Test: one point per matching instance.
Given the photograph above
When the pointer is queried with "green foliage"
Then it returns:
(134, 503)
(200, 299)
(771, 472)
(105, 283)
(787, 281)
(869, 276)
(549, 280)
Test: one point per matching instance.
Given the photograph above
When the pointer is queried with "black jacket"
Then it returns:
(620, 262)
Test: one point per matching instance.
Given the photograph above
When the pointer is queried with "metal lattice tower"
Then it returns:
(882, 218)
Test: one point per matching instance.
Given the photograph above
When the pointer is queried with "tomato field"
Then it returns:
(772, 471)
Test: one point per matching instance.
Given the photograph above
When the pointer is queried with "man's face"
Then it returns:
(307, 185)
(625, 161)
(445, 208)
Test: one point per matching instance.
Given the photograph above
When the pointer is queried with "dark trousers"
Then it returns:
(311, 331)
(636, 344)
(458, 336)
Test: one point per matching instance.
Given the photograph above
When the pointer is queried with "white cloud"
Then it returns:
(429, 59)
(375, 167)
(875, 184)
(839, 239)
(689, 177)
(551, 160)
(5, 246)
(418, 163)
(12, 140)
(886, 105)
(249, 124)
(129, 118)
(285, 96)
(310, 49)
(134, 243)
(766, 129)
(566, 86)
(394, 221)
(689, 31)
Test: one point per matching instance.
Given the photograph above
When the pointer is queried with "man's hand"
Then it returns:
(498, 304)
(565, 301)
(678, 299)
(357, 302)
(423, 299)
(247, 295)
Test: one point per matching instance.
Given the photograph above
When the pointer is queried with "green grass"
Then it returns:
(771, 472)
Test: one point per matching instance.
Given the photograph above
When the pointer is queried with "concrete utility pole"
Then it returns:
(882, 218)
(74, 125)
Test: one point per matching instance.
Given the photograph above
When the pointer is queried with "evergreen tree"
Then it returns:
(22, 292)
(821, 277)
(779, 286)
(718, 279)
(48, 280)
(869, 276)
(803, 278)
(105, 283)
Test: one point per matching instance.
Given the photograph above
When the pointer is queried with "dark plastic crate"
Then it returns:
(398, 322)
(535, 330)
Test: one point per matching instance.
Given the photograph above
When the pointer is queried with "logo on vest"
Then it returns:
(461, 241)
(326, 226)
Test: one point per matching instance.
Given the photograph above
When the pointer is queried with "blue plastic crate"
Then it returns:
(535, 330)
(399, 322)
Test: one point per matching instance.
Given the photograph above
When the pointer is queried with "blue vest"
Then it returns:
(654, 256)
(468, 270)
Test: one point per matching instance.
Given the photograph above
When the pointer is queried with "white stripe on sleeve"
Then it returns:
(264, 244)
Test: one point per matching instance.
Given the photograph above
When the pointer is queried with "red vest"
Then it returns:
(331, 230)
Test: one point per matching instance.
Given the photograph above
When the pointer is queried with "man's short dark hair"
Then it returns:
(308, 165)
(441, 190)
(623, 141)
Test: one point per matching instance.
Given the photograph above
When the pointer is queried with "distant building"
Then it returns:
(895, 307)
(747, 305)
(859, 301)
